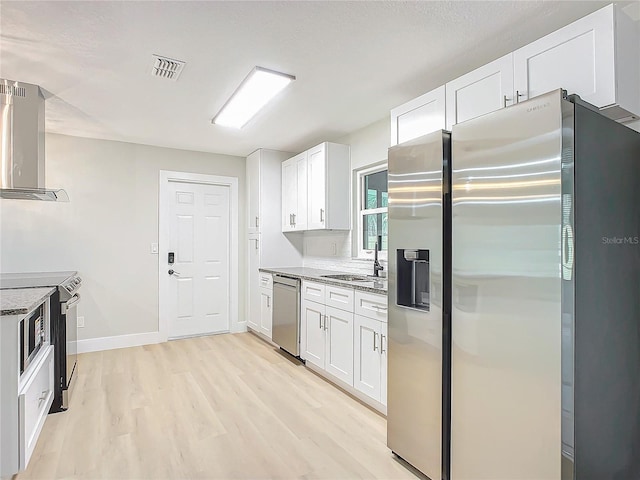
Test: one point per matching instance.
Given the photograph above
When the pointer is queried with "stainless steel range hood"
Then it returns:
(22, 143)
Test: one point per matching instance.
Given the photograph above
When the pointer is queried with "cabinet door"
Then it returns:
(579, 58)
(338, 326)
(418, 117)
(481, 91)
(316, 170)
(289, 193)
(366, 346)
(253, 191)
(266, 311)
(313, 343)
(384, 344)
(253, 282)
(300, 216)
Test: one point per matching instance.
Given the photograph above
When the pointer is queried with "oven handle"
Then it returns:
(71, 303)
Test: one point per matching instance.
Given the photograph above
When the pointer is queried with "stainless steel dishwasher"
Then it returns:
(286, 313)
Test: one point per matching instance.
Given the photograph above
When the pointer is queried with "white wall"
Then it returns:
(369, 145)
(105, 231)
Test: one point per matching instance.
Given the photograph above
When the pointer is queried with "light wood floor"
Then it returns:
(226, 407)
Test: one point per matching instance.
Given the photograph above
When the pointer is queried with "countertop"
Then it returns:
(34, 279)
(20, 301)
(378, 286)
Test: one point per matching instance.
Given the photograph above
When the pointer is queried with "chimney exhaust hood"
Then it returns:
(22, 143)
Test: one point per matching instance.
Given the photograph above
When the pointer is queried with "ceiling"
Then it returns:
(354, 61)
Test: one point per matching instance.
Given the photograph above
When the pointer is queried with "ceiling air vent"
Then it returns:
(12, 90)
(168, 68)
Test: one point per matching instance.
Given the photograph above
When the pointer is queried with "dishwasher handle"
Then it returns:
(286, 281)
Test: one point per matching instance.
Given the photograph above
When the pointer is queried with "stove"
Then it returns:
(64, 324)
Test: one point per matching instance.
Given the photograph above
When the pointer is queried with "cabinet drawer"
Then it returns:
(339, 297)
(266, 280)
(313, 291)
(371, 305)
(34, 402)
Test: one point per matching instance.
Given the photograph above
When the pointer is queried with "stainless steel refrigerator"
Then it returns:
(546, 295)
(419, 256)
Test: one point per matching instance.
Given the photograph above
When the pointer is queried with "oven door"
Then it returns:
(70, 311)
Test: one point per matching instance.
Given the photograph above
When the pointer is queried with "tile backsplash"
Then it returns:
(331, 250)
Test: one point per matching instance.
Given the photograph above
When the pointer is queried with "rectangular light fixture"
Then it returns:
(255, 91)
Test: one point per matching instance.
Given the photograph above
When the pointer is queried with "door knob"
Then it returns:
(173, 272)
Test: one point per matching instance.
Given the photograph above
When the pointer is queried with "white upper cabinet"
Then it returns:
(595, 57)
(316, 164)
(294, 193)
(316, 189)
(419, 116)
(302, 176)
(480, 91)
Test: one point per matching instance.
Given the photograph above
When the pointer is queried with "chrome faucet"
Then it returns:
(376, 264)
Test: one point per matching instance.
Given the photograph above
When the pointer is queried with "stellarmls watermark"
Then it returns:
(620, 240)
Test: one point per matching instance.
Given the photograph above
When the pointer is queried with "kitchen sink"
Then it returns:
(348, 278)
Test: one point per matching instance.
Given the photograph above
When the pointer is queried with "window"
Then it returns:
(372, 206)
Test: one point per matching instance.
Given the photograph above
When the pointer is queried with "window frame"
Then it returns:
(361, 212)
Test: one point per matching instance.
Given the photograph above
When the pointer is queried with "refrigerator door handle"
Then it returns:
(382, 337)
(375, 335)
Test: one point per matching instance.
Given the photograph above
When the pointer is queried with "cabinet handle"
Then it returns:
(518, 95)
(45, 394)
(375, 335)
(291, 219)
(294, 219)
(256, 243)
(257, 222)
(268, 302)
(382, 350)
(320, 322)
(322, 214)
(325, 323)
(504, 101)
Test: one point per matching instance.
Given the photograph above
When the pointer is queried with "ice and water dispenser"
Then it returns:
(413, 279)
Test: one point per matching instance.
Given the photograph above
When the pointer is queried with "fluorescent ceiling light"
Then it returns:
(255, 91)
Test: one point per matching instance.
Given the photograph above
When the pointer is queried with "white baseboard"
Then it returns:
(118, 341)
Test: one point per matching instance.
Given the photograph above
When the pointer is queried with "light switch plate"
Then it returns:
(80, 322)
(154, 248)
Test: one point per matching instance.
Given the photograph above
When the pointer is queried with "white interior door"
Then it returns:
(199, 237)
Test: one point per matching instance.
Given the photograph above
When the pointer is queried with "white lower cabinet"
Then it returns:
(312, 333)
(343, 345)
(328, 339)
(370, 358)
(253, 282)
(34, 402)
(339, 344)
(266, 311)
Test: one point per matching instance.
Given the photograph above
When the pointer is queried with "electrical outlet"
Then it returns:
(154, 248)
(80, 322)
